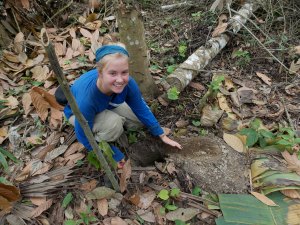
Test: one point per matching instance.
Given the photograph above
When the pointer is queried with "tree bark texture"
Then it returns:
(71, 100)
(186, 71)
(132, 34)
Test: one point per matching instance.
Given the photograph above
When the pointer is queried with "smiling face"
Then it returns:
(113, 74)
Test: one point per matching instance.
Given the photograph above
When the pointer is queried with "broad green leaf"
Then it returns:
(170, 69)
(297, 140)
(173, 93)
(4, 181)
(179, 222)
(266, 133)
(246, 209)
(8, 154)
(171, 207)
(252, 136)
(92, 159)
(283, 142)
(174, 192)
(255, 124)
(262, 142)
(3, 162)
(221, 221)
(67, 200)
(108, 152)
(163, 194)
(70, 222)
(196, 191)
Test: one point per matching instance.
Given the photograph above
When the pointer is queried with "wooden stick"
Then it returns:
(71, 100)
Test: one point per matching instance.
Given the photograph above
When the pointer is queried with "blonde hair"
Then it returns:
(106, 59)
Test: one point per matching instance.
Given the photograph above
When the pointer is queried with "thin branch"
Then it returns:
(273, 56)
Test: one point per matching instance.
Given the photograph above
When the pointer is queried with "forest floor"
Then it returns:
(55, 181)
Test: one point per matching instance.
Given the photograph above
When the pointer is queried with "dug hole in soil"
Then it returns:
(209, 161)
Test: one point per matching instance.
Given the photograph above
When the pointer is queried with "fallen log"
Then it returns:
(189, 69)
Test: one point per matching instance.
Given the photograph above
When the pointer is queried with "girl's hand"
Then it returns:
(169, 141)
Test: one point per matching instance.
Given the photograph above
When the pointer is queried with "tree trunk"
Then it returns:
(132, 34)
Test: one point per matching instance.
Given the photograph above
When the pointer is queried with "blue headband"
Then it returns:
(109, 49)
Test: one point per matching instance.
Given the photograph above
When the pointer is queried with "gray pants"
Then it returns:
(108, 125)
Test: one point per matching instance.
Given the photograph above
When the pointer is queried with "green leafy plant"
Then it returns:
(196, 191)
(173, 93)
(243, 57)
(132, 138)
(197, 16)
(168, 198)
(171, 68)
(285, 136)
(67, 200)
(82, 59)
(216, 83)
(85, 218)
(4, 155)
(196, 123)
(107, 151)
(182, 48)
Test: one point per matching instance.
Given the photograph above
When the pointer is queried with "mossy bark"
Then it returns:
(132, 34)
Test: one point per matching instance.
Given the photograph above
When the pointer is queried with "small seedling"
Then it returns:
(171, 68)
(67, 200)
(173, 93)
(243, 57)
(132, 138)
(182, 48)
(168, 197)
(196, 123)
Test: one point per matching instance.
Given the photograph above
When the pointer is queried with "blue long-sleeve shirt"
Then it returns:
(92, 101)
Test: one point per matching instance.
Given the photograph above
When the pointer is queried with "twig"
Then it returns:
(274, 57)
(13, 12)
(71, 100)
(288, 114)
(174, 6)
(61, 10)
(201, 207)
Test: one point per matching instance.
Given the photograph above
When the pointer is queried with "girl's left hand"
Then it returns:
(169, 141)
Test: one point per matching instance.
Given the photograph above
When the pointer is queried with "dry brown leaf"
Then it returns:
(102, 205)
(40, 104)
(59, 49)
(25, 4)
(234, 142)
(75, 44)
(72, 32)
(171, 168)
(3, 131)
(40, 209)
(15, 220)
(55, 153)
(162, 101)
(181, 123)
(69, 54)
(183, 214)
(40, 73)
(5, 205)
(293, 161)
(222, 26)
(72, 159)
(35, 140)
(197, 86)
(295, 67)
(75, 147)
(126, 174)
(53, 138)
(223, 103)
(25, 172)
(9, 192)
(117, 221)
(160, 218)
(48, 97)
(291, 193)
(22, 58)
(43, 152)
(38, 200)
(146, 199)
(12, 102)
(85, 33)
(89, 186)
(147, 215)
(19, 42)
(26, 101)
(56, 118)
(264, 78)
(11, 57)
(45, 168)
(264, 199)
